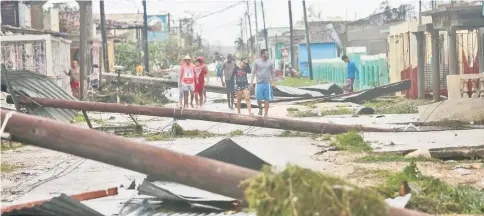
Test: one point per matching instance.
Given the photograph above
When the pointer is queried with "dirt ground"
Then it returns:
(446, 171)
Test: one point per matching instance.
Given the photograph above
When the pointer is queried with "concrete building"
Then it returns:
(450, 19)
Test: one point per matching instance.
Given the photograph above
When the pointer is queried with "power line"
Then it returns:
(219, 11)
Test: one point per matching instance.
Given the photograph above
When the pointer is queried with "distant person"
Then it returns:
(202, 74)
(176, 69)
(75, 77)
(264, 71)
(187, 80)
(242, 84)
(350, 77)
(218, 69)
(227, 70)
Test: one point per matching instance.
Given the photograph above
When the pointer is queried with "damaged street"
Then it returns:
(267, 108)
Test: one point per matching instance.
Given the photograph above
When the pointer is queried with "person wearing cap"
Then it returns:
(187, 80)
(202, 73)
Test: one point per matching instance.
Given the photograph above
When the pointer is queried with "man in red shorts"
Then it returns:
(202, 73)
(75, 76)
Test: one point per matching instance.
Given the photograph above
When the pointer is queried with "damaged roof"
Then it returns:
(61, 205)
(32, 84)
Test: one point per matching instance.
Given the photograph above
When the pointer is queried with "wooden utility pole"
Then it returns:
(251, 40)
(256, 29)
(145, 39)
(308, 42)
(276, 123)
(105, 44)
(83, 45)
(264, 21)
(179, 34)
(291, 34)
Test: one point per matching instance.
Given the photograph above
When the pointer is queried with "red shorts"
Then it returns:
(75, 85)
(199, 88)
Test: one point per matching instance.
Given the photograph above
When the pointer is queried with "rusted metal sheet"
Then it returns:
(78, 197)
(277, 123)
(58, 206)
(194, 171)
(37, 85)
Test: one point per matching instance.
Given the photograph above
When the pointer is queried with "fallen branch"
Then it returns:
(203, 173)
(276, 123)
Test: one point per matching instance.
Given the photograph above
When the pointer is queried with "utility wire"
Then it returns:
(219, 11)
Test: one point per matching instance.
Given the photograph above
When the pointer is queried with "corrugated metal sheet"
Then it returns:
(57, 206)
(286, 91)
(149, 207)
(37, 85)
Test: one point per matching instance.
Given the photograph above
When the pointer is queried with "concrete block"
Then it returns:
(467, 110)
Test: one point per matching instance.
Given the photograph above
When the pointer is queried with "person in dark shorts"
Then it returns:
(242, 84)
(350, 76)
(227, 70)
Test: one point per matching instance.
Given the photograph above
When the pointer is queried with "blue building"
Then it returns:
(318, 51)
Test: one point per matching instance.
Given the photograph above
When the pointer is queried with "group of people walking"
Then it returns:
(234, 76)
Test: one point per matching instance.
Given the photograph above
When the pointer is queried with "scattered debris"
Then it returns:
(450, 153)
(365, 111)
(419, 153)
(230, 152)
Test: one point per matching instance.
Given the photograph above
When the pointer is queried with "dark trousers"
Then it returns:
(230, 85)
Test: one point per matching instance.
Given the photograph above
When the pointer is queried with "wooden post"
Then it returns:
(308, 42)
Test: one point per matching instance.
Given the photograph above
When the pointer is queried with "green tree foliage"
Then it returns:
(161, 54)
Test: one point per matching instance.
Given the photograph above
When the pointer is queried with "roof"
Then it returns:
(57, 206)
(114, 24)
(22, 30)
(37, 85)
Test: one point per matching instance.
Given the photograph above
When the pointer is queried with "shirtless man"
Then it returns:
(75, 76)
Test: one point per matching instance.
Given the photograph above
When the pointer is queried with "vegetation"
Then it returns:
(398, 106)
(10, 145)
(295, 112)
(433, 196)
(381, 157)
(7, 168)
(299, 191)
(236, 133)
(351, 141)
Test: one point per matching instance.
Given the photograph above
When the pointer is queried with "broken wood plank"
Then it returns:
(194, 171)
(267, 122)
(447, 153)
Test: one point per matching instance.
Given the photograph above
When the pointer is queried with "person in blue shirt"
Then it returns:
(352, 72)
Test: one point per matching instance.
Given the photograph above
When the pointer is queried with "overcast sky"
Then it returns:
(222, 28)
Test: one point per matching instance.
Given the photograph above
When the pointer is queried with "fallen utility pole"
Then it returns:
(276, 123)
(204, 173)
(79, 197)
(199, 172)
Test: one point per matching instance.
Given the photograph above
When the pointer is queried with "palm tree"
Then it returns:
(240, 44)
